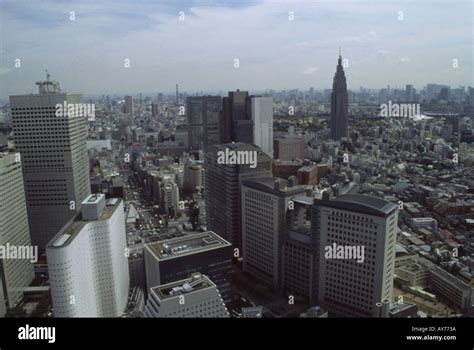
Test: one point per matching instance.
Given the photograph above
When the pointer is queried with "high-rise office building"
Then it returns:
(471, 96)
(409, 93)
(154, 110)
(203, 113)
(177, 258)
(236, 119)
(128, 105)
(14, 230)
(194, 297)
(52, 143)
(357, 237)
(262, 117)
(87, 262)
(223, 186)
(445, 93)
(265, 202)
(193, 176)
(288, 147)
(339, 104)
(300, 256)
(170, 197)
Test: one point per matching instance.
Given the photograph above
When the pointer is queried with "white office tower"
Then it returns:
(18, 272)
(262, 116)
(193, 297)
(50, 133)
(355, 282)
(87, 262)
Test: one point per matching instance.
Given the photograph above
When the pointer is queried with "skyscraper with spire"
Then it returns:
(339, 103)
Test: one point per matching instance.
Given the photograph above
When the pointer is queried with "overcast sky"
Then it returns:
(87, 55)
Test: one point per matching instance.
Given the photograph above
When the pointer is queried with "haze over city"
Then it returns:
(279, 44)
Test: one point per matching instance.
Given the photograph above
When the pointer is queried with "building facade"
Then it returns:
(14, 229)
(262, 117)
(54, 158)
(203, 113)
(223, 186)
(88, 263)
(350, 287)
(194, 297)
(265, 202)
(177, 258)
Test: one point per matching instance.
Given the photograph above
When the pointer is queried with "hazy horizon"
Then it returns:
(88, 54)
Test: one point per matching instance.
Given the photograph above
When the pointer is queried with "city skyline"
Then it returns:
(280, 46)
(237, 159)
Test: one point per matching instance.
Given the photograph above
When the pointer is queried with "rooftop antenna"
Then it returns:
(339, 51)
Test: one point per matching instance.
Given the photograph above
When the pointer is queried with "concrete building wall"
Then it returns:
(14, 229)
(54, 158)
(89, 274)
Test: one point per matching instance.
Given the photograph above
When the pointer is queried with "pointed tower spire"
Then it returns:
(339, 103)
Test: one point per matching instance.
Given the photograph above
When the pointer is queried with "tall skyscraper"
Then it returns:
(265, 202)
(87, 262)
(471, 96)
(128, 106)
(223, 186)
(339, 104)
(14, 230)
(352, 284)
(409, 93)
(177, 94)
(196, 296)
(203, 121)
(262, 117)
(154, 110)
(236, 120)
(445, 93)
(52, 143)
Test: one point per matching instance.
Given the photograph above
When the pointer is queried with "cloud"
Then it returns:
(87, 54)
(310, 70)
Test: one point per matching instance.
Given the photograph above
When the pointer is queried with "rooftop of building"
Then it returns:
(274, 185)
(195, 283)
(361, 204)
(304, 200)
(187, 245)
(412, 267)
(69, 231)
(444, 275)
